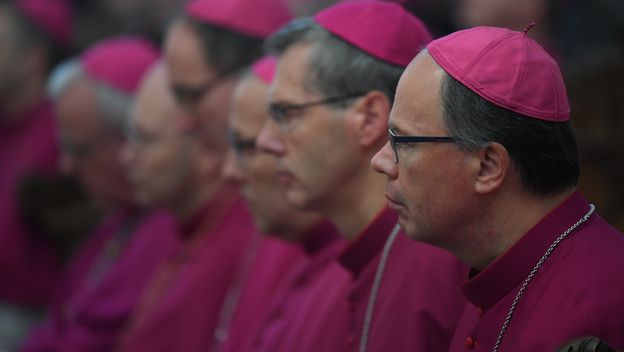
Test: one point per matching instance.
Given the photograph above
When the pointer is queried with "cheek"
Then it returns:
(261, 166)
(323, 152)
(428, 178)
(102, 166)
(213, 109)
(260, 176)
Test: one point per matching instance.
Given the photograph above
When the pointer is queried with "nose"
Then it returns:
(231, 169)
(269, 139)
(383, 162)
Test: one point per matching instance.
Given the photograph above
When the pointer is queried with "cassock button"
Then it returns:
(470, 343)
(480, 311)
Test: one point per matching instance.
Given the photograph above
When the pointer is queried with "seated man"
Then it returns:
(329, 106)
(33, 33)
(275, 316)
(102, 284)
(496, 185)
(204, 52)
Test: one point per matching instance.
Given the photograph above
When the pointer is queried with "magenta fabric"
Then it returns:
(180, 308)
(267, 273)
(120, 62)
(264, 68)
(419, 302)
(507, 68)
(382, 29)
(257, 18)
(53, 17)
(310, 312)
(29, 265)
(102, 284)
(578, 291)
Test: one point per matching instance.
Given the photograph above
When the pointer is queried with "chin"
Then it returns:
(412, 231)
(298, 198)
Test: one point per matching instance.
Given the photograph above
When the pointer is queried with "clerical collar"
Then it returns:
(499, 278)
(320, 236)
(367, 245)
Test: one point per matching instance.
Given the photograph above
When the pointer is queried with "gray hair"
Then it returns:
(545, 153)
(337, 68)
(113, 106)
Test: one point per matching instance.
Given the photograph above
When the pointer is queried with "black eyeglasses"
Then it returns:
(283, 114)
(394, 140)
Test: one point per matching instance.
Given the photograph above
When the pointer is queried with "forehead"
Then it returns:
(417, 104)
(290, 76)
(154, 104)
(184, 54)
(249, 108)
(76, 109)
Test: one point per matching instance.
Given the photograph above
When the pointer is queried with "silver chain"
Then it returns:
(370, 307)
(523, 288)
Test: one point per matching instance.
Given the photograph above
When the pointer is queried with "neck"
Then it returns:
(355, 205)
(298, 226)
(195, 200)
(514, 217)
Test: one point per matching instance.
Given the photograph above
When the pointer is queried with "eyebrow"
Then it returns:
(282, 103)
(236, 134)
(395, 129)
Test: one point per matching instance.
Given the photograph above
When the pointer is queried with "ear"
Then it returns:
(494, 165)
(369, 119)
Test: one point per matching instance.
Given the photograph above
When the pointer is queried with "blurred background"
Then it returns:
(586, 37)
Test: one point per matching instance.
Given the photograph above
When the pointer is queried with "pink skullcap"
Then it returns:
(53, 17)
(382, 29)
(120, 62)
(264, 68)
(256, 18)
(507, 68)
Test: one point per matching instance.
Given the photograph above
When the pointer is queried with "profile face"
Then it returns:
(252, 169)
(198, 88)
(313, 146)
(158, 154)
(428, 185)
(90, 147)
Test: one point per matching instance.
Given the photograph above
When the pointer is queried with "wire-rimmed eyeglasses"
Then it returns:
(282, 114)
